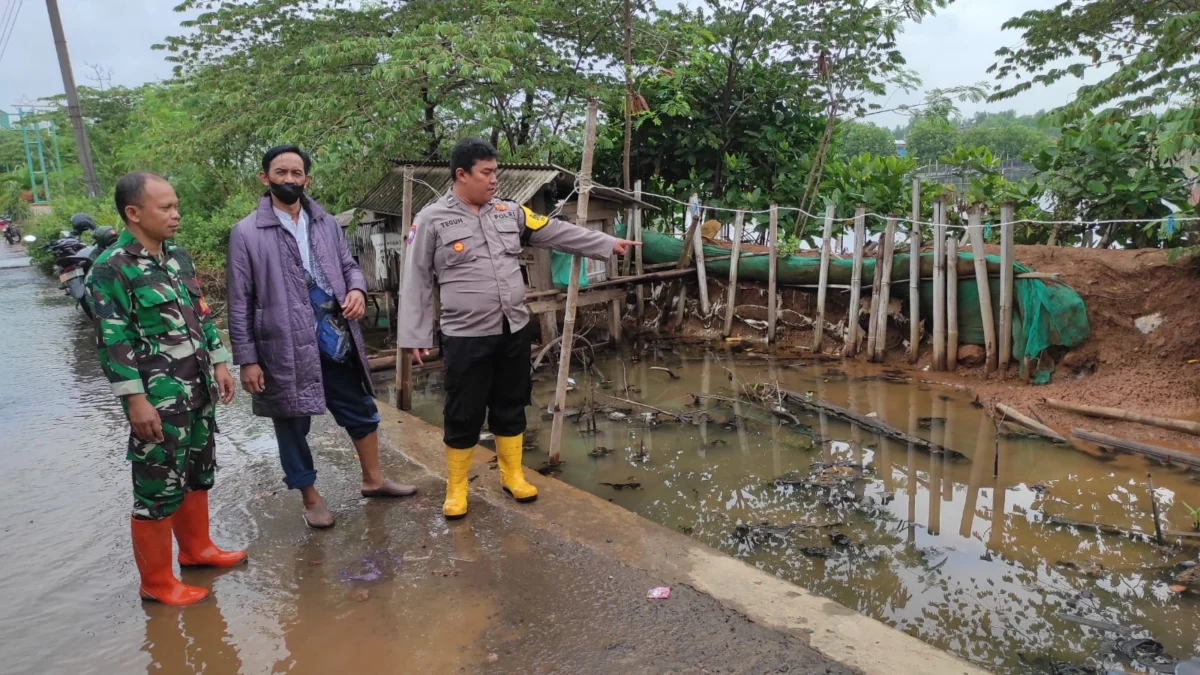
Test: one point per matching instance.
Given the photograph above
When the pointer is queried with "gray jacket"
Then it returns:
(271, 319)
(474, 260)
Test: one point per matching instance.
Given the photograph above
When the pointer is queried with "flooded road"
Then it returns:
(392, 588)
(980, 555)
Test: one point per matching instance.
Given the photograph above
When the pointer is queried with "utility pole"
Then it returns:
(74, 111)
(628, 93)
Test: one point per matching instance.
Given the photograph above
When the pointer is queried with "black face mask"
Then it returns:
(288, 193)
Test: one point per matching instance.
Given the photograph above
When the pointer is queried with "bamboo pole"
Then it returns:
(638, 267)
(691, 226)
(939, 285)
(873, 315)
(772, 271)
(975, 230)
(615, 305)
(701, 274)
(914, 276)
(823, 287)
(1153, 451)
(404, 382)
(860, 225)
(1030, 423)
(1006, 284)
(568, 333)
(731, 296)
(885, 288)
(951, 303)
(1186, 426)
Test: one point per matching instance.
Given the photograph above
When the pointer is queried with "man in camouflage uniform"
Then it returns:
(158, 345)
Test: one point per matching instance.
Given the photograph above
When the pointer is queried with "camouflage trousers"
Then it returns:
(185, 460)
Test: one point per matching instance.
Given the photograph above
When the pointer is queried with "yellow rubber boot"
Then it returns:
(508, 456)
(458, 465)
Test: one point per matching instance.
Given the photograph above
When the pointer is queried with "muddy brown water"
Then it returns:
(393, 588)
(942, 548)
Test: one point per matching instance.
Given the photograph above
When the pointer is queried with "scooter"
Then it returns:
(12, 231)
(73, 259)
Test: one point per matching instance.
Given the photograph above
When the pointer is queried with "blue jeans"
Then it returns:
(352, 407)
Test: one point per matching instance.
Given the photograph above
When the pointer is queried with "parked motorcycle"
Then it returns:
(73, 258)
(12, 231)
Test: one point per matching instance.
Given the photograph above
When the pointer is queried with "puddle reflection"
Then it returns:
(775, 494)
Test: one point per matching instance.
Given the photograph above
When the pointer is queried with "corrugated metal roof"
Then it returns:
(516, 183)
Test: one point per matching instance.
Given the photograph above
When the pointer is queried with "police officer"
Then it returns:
(158, 345)
(469, 241)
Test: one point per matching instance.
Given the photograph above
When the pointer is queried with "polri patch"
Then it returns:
(458, 247)
(501, 206)
(412, 233)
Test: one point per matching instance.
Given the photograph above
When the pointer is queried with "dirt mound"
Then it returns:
(1119, 365)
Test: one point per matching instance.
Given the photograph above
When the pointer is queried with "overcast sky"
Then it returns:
(954, 48)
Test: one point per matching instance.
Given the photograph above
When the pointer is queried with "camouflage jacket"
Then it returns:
(154, 331)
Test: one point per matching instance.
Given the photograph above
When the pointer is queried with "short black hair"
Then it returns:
(467, 152)
(131, 188)
(270, 155)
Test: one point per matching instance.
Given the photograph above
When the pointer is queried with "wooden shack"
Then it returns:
(544, 188)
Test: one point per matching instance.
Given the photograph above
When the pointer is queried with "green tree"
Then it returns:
(1152, 45)
(930, 138)
(1110, 167)
(856, 138)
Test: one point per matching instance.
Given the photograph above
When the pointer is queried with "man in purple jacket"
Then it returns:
(295, 297)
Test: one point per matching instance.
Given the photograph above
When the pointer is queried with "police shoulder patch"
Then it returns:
(532, 220)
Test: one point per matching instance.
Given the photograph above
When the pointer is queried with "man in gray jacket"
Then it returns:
(295, 298)
(469, 242)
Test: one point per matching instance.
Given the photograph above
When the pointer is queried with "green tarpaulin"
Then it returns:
(1048, 312)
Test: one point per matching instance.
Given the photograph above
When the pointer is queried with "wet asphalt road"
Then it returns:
(392, 589)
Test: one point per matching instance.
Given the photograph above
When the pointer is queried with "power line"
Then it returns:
(8, 7)
(12, 24)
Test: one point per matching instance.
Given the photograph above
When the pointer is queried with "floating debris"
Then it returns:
(600, 451)
(817, 551)
(821, 475)
(632, 485)
(929, 422)
(839, 539)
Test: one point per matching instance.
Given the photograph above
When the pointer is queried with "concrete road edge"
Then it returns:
(836, 631)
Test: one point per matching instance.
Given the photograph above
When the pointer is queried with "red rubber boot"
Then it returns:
(196, 549)
(152, 551)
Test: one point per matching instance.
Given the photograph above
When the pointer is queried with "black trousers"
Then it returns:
(486, 377)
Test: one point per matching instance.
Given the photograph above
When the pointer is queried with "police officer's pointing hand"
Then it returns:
(620, 246)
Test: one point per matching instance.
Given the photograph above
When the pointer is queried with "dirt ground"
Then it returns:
(1118, 366)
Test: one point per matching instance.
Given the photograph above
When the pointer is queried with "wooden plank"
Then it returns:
(852, 329)
(638, 267)
(1030, 423)
(1006, 284)
(615, 306)
(772, 273)
(873, 424)
(885, 288)
(939, 285)
(586, 298)
(404, 378)
(692, 226)
(731, 297)
(951, 303)
(698, 252)
(1152, 451)
(1186, 426)
(873, 314)
(568, 336)
(823, 285)
(914, 276)
(981, 280)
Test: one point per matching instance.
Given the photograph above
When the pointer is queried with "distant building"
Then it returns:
(902, 148)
